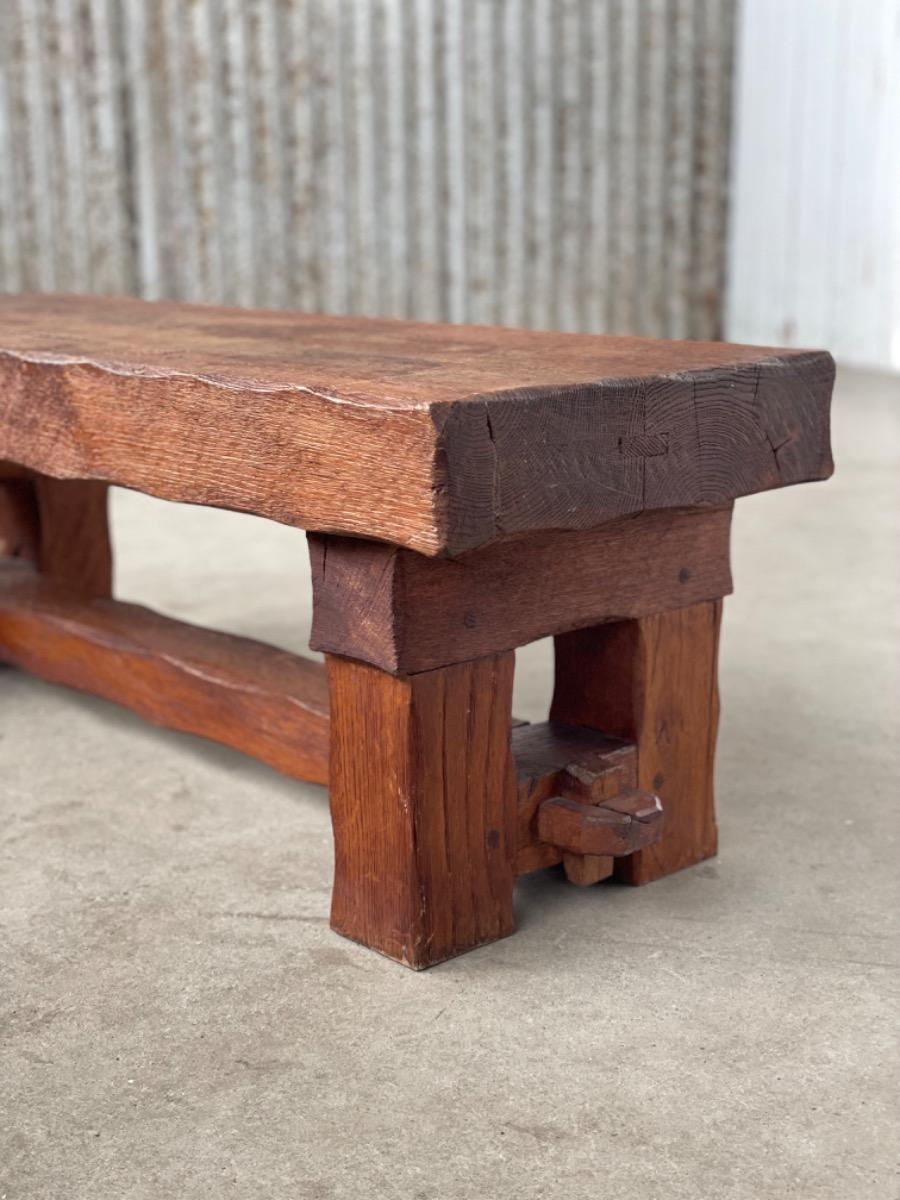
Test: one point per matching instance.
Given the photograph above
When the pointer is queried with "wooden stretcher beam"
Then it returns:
(265, 702)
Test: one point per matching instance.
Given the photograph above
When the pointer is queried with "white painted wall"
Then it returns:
(814, 247)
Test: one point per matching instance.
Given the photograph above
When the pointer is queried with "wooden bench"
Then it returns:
(465, 491)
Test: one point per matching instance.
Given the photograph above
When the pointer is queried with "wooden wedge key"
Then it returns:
(627, 823)
(465, 491)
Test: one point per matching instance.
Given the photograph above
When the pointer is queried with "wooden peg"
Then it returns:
(584, 870)
(628, 823)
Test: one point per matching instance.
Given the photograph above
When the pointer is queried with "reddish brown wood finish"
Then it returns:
(75, 547)
(423, 803)
(61, 525)
(584, 870)
(263, 701)
(527, 483)
(405, 613)
(552, 759)
(437, 437)
(654, 681)
(629, 822)
(19, 528)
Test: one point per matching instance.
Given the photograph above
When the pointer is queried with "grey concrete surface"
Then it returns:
(178, 1020)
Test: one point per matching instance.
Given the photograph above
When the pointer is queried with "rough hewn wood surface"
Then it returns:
(423, 803)
(653, 681)
(547, 757)
(620, 826)
(265, 702)
(440, 438)
(75, 547)
(584, 870)
(19, 528)
(405, 612)
(61, 525)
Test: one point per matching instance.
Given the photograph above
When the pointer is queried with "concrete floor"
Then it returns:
(178, 1020)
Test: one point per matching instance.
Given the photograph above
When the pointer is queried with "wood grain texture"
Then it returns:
(551, 758)
(19, 525)
(406, 613)
(423, 803)
(262, 701)
(620, 826)
(584, 870)
(75, 548)
(61, 525)
(653, 681)
(439, 438)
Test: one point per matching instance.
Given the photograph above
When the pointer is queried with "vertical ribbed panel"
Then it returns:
(64, 196)
(555, 163)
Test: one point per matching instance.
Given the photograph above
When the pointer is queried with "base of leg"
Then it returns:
(423, 802)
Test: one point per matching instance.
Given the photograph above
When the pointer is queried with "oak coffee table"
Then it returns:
(465, 490)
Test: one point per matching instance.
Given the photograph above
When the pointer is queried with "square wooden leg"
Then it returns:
(653, 680)
(423, 802)
(61, 525)
(75, 546)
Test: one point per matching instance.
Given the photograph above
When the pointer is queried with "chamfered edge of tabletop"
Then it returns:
(571, 457)
(374, 362)
(509, 460)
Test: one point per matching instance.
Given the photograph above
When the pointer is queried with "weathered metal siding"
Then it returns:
(532, 162)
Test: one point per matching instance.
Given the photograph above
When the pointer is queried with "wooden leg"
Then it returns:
(653, 680)
(423, 800)
(587, 869)
(62, 526)
(75, 548)
(19, 528)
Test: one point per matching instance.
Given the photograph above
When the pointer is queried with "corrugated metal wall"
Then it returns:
(557, 164)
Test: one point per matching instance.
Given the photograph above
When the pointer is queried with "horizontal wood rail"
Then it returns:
(405, 613)
(265, 702)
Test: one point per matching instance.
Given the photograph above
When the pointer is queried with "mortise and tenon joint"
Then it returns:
(465, 491)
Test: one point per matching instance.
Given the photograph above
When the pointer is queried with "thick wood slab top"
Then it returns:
(438, 437)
